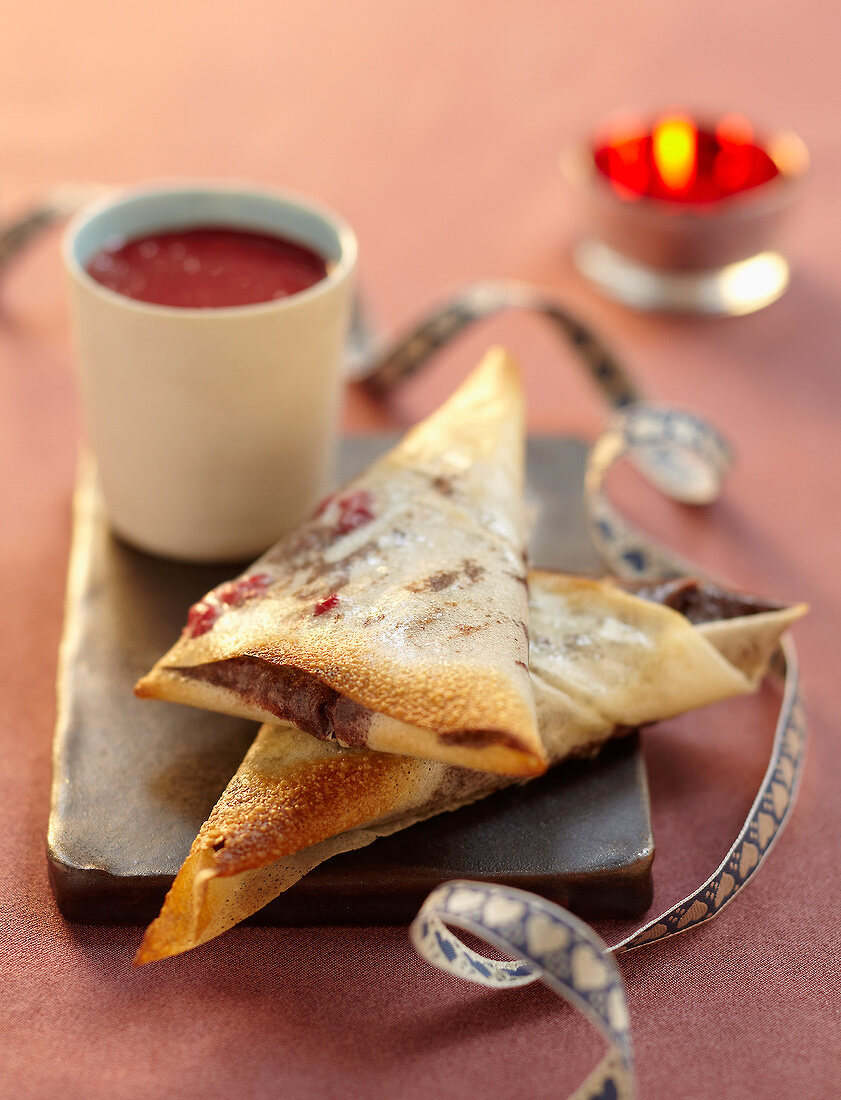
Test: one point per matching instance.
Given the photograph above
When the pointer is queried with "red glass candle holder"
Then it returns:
(683, 212)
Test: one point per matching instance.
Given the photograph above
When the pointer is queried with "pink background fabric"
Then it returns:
(435, 129)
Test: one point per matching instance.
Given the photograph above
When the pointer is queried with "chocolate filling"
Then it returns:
(290, 695)
(479, 739)
(699, 601)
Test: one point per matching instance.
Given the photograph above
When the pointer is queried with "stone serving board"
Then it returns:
(134, 780)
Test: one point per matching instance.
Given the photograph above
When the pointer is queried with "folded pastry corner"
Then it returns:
(603, 660)
(395, 618)
(294, 802)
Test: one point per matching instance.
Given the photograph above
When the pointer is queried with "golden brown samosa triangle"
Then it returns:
(602, 661)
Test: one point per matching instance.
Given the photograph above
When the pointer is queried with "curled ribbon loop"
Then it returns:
(687, 459)
(548, 943)
(681, 454)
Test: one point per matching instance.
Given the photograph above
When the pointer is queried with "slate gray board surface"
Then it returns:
(134, 779)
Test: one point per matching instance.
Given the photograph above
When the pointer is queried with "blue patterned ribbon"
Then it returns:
(549, 943)
(687, 459)
(384, 370)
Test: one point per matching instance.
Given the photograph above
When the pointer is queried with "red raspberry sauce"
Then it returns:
(202, 615)
(209, 267)
(200, 619)
(354, 511)
(326, 604)
(235, 593)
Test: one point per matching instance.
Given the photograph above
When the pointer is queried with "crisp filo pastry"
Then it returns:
(395, 619)
(602, 661)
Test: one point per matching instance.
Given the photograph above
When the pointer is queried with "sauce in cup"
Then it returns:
(207, 267)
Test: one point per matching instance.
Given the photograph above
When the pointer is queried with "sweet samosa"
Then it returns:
(603, 660)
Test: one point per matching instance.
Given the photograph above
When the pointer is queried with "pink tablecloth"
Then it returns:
(435, 129)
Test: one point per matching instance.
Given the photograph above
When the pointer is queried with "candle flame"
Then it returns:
(674, 143)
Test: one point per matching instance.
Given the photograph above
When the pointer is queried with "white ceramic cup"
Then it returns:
(213, 429)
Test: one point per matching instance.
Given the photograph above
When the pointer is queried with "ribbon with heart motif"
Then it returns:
(686, 458)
